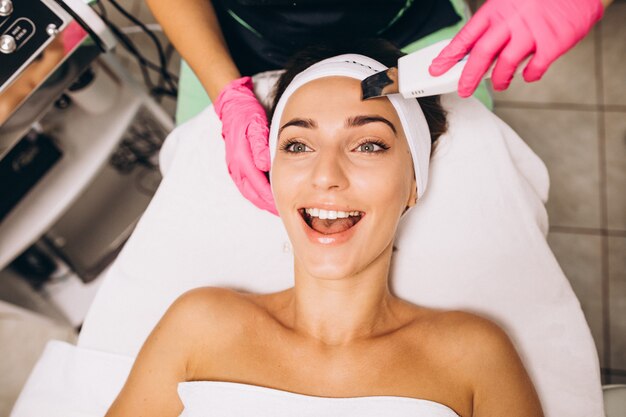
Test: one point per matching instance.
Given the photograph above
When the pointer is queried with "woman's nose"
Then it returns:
(329, 171)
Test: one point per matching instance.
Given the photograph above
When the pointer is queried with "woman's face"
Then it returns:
(347, 157)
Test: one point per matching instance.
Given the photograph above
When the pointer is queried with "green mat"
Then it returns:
(192, 98)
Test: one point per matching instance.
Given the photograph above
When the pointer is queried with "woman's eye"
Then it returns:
(296, 147)
(372, 147)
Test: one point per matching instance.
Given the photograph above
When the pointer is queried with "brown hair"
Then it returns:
(382, 51)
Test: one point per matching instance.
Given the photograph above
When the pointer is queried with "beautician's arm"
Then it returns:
(151, 387)
(501, 384)
(193, 28)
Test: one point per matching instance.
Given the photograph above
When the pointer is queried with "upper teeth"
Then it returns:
(331, 214)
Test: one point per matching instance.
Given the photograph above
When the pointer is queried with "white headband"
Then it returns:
(358, 66)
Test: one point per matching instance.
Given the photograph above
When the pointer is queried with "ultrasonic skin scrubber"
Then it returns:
(412, 79)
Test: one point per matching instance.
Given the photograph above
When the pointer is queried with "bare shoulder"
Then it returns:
(211, 307)
(193, 316)
(166, 355)
(196, 322)
(205, 299)
(215, 318)
(443, 326)
(472, 333)
(465, 338)
(203, 317)
(483, 355)
(461, 338)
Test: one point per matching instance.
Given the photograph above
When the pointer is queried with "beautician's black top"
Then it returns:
(263, 34)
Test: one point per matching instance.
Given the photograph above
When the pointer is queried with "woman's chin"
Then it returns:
(329, 269)
(326, 275)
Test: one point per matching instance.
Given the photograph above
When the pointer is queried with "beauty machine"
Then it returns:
(70, 116)
(45, 45)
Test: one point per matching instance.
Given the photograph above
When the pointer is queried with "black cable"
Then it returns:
(160, 90)
(169, 51)
(84, 25)
(127, 43)
(130, 47)
(153, 37)
(102, 9)
(144, 63)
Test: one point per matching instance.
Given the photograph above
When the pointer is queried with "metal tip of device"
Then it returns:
(373, 85)
(379, 84)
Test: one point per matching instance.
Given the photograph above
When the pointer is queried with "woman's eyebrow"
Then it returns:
(306, 123)
(356, 121)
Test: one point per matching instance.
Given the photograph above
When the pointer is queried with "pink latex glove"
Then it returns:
(245, 132)
(511, 30)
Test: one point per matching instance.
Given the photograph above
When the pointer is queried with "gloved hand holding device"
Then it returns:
(511, 30)
(245, 132)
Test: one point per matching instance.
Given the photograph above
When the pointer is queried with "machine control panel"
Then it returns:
(25, 30)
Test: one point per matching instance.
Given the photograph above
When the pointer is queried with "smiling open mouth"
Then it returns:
(329, 222)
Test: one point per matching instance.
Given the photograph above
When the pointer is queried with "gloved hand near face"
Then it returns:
(511, 30)
(245, 132)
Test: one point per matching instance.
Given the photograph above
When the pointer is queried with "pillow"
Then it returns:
(475, 241)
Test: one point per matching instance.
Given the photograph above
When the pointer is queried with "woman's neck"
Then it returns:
(339, 311)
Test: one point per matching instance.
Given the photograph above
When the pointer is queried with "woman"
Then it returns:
(343, 173)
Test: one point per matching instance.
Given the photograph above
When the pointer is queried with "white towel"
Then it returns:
(227, 399)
